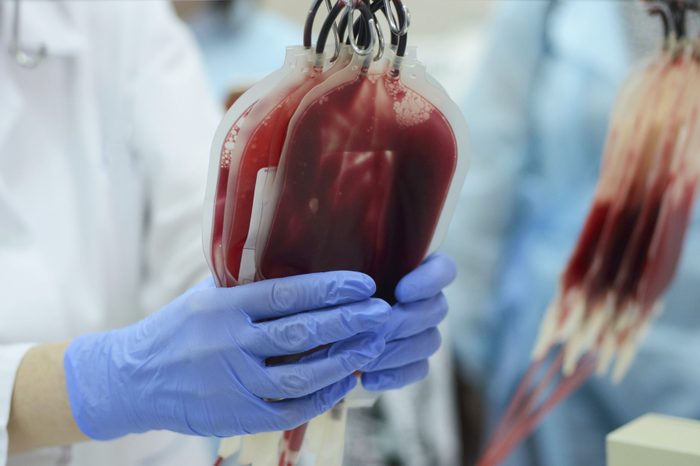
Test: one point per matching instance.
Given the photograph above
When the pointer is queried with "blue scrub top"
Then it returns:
(538, 119)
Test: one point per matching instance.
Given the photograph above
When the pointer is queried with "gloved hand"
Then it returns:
(411, 332)
(197, 366)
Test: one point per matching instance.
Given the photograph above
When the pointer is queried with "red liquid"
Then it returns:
(263, 149)
(221, 199)
(611, 251)
(581, 260)
(661, 264)
(631, 274)
(292, 443)
(358, 190)
(614, 249)
(629, 265)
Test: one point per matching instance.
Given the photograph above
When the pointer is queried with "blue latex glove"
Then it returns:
(197, 366)
(411, 332)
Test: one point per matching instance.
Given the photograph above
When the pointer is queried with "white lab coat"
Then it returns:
(103, 158)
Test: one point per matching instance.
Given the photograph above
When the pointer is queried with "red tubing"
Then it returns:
(525, 422)
(524, 397)
(526, 426)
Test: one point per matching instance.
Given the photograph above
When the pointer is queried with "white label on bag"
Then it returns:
(263, 186)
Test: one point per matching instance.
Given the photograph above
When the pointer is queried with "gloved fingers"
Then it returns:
(304, 332)
(272, 299)
(398, 353)
(407, 320)
(392, 379)
(302, 378)
(295, 412)
(427, 280)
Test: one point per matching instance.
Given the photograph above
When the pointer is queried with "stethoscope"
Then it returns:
(25, 57)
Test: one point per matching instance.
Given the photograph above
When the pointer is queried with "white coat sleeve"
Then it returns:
(174, 117)
(498, 114)
(10, 358)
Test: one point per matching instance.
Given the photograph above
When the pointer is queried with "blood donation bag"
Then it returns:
(352, 160)
(366, 170)
(631, 243)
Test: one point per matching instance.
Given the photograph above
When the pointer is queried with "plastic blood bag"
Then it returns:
(631, 243)
(365, 174)
(260, 148)
(227, 153)
(242, 147)
(260, 138)
(366, 170)
(375, 177)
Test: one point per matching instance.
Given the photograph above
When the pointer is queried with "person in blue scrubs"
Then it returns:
(539, 115)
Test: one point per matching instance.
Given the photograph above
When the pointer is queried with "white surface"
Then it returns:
(655, 440)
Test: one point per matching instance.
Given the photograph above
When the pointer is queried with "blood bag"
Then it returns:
(365, 175)
(350, 160)
(226, 151)
(631, 243)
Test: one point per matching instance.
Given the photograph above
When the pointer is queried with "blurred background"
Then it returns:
(244, 40)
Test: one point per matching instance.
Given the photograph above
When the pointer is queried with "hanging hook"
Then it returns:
(357, 33)
(381, 41)
(662, 9)
(309, 25)
(399, 39)
(396, 25)
(351, 7)
(26, 58)
(403, 38)
(364, 34)
(398, 42)
(336, 34)
(674, 14)
(679, 11)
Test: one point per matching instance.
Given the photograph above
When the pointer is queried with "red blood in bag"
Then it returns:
(263, 150)
(613, 249)
(221, 198)
(628, 251)
(661, 266)
(236, 218)
(639, 244)
(585, 249)
(364, 178)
